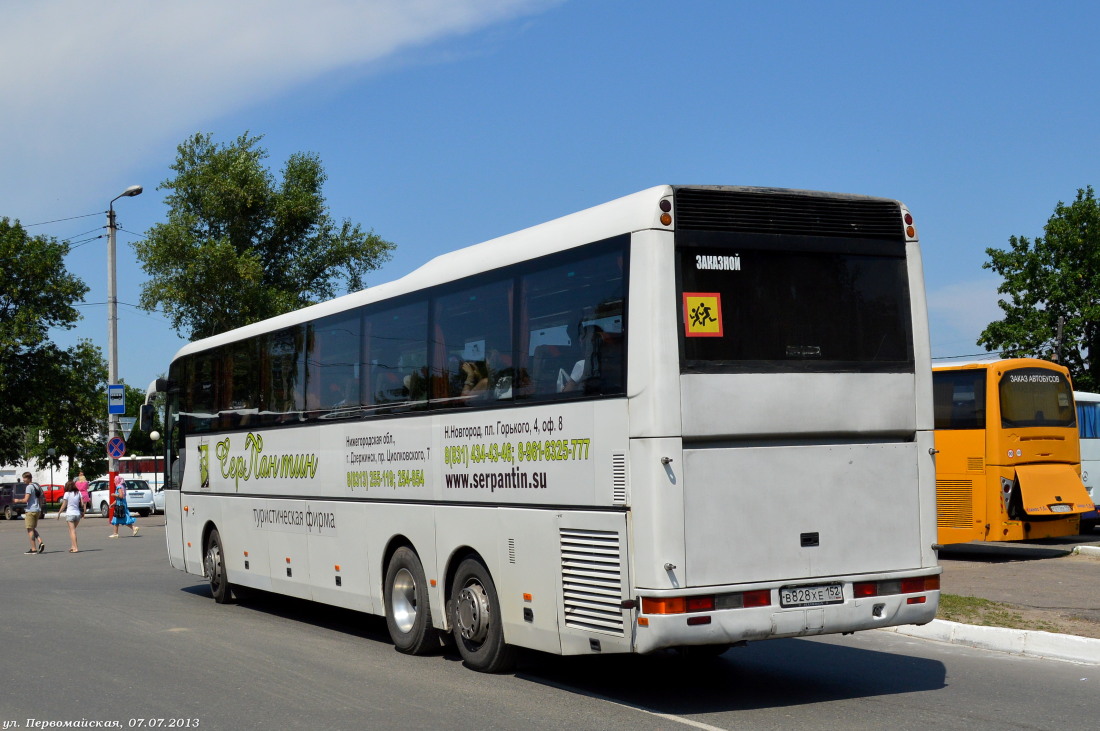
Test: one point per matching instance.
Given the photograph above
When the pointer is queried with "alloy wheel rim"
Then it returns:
(403, 600)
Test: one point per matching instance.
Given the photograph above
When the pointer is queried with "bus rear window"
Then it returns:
(746, 311)
(1036, 397)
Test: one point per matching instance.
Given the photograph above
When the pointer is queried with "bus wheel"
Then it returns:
(213, 565)
(476, 620)
(408, 612)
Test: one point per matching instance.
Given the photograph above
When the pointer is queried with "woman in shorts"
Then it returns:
(72, 507)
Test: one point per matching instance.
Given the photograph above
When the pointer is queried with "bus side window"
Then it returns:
(571, 316)
(332, 366)
(1088, 420)
(474, 329)
(395, 358)
(241, 388)
(282, 376)
(959, 399)
(602, 370)
(197, 410)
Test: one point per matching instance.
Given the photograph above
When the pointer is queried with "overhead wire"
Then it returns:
(137, 310)
(83, 233)
(59, 220)
(970, 355)
(78, 244)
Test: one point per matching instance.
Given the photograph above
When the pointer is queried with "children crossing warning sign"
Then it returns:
(702, 314)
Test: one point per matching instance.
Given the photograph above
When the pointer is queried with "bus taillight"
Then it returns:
(923, 583)
(865, 589)
(914, 585)
(910, 229)
(707, 603)
(664, 605)
(666, 217)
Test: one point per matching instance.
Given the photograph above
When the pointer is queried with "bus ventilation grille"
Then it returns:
(975, 464)
(787, 212)
(591, 577)
(954, 504)
(618, 479)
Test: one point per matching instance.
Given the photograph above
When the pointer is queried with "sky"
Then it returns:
(443, 123)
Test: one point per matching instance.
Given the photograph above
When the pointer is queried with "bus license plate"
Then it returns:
(1060, 508)
(810, 596)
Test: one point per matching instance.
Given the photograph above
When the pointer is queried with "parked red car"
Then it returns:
(53, 493)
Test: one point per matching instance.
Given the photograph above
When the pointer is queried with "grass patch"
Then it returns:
(986, 613)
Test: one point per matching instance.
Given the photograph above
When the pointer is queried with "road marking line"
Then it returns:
(623, 704)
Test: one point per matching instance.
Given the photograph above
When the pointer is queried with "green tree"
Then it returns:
(239, 247)
(76, 426)
(42, 386)
(72, 421)
(1050, 280)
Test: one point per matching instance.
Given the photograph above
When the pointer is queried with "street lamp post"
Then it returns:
(112, 324)
(51, 451)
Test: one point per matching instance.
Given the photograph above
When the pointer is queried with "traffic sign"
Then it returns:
(127, 424)
(116, 447)
(116, 399)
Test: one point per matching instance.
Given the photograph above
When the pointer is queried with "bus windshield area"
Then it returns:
(1033, 397)
(749, 310)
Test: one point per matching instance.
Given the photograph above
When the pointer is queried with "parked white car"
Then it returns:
(139, 497)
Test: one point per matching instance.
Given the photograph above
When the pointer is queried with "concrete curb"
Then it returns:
(1031, 643)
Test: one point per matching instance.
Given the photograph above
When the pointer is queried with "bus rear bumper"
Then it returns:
(731, 626)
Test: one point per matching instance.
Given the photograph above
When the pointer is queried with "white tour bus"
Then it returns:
(688, 418)
(1088, 425)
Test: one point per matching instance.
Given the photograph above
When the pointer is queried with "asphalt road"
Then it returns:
(114, 635)
(1040, 574)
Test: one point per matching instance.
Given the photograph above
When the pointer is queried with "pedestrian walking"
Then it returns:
(82, 486)
(36, 508)
(122, 512)
(72, 505)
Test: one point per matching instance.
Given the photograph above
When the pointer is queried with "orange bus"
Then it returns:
(1008, 462)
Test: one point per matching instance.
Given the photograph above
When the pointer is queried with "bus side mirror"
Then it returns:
(146, 417)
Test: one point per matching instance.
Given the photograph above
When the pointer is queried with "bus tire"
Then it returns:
(476, 621)
(408, 608)
(213, 565)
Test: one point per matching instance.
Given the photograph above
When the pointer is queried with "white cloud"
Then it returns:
(959, 312)
(91, 86)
